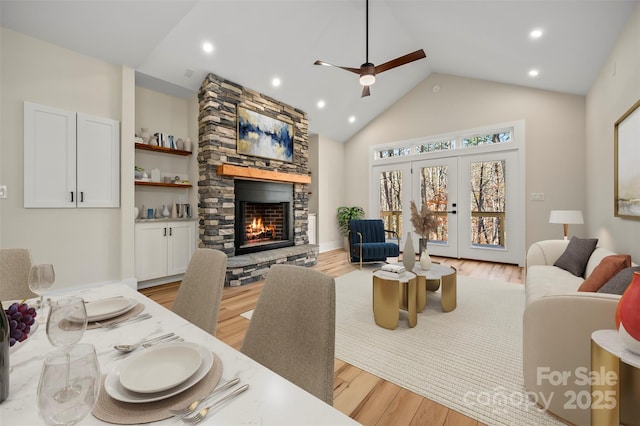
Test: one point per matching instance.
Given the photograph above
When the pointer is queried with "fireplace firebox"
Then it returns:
(263, 216)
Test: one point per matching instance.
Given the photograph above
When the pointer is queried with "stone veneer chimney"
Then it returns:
(219, 99)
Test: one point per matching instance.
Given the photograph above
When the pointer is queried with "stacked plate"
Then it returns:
(103, 309)
(158, 372)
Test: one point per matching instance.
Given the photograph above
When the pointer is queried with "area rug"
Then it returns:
(469, 359)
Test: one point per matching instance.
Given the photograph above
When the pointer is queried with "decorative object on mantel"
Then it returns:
(263, 136)
(423, 222)
(409, 254)
(628, 315)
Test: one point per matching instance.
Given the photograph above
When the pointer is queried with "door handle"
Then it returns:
(170, 232)
(452, 211)
(82, 196)
(165, 232)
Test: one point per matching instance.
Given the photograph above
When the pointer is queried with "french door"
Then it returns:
(477, 199)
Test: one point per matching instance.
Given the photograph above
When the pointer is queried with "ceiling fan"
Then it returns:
(368, 71)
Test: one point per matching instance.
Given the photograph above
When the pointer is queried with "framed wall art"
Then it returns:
(262, 136)
(626, 160)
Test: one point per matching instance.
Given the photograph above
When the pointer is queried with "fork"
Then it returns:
(182, 412)
(174, 339)
(124, 321)
(203, 413)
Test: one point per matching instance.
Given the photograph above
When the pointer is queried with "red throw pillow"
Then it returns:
(608, 267)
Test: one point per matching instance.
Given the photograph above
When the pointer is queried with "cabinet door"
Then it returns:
(98, 148)
(49, 157)
(151, 250)
(182, 237)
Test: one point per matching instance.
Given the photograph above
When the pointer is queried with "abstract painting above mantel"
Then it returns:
(626, 160)
(263, 136)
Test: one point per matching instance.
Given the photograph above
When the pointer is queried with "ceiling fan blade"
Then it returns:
(326, 64)
(402, 60)
(365, 91)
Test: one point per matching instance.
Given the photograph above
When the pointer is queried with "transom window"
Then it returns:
(459, 142)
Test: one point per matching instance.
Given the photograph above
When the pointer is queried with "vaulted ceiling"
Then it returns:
(257, 41)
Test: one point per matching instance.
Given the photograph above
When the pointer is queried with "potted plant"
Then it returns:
(344, 215)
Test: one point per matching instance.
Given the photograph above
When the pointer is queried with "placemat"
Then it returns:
(129, 314)
(124, 413)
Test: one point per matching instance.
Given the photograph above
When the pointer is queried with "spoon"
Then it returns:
(128, 348)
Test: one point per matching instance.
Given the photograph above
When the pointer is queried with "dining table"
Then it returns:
(269, 400)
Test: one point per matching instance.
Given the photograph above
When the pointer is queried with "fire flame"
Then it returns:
(257, 229)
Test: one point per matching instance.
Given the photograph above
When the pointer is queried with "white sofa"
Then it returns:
(557, 326)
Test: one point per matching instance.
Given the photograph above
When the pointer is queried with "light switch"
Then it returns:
(537, 196)
(3, 191)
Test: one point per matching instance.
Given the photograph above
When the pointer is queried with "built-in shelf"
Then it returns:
(162, 184)
(162, 149)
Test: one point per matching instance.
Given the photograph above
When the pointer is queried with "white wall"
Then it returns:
(83, 244)
(331, 183)
(615, 90)
(555, 133)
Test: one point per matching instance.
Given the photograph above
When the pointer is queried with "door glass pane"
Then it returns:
(488, 204)
(391, 200)
(433, 191)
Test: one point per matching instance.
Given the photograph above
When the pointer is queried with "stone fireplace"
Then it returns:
(233, 187)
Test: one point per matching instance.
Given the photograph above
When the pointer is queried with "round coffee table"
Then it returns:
(392, 292)
(435, 277)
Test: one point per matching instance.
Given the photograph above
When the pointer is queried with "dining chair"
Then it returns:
(292, 329)
(199, 295)
(15, 264)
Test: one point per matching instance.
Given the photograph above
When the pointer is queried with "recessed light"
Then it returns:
(534, 73)
(535, 34)
(207, 47)
(321, 104)
(352, 119)
(276, 82)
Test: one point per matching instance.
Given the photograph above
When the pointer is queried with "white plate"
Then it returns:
(116, 391)
(159, 368)
(98, 310)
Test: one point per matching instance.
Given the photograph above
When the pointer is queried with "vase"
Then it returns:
(409, 254)
(628, 315)
(180, 144)
(187, 144)
(136, 212)
(145, 135)
(425, 260)
(165, 211)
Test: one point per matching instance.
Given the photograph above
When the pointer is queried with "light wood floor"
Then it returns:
(364, 397)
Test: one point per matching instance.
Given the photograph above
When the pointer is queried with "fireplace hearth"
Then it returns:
(263, 216)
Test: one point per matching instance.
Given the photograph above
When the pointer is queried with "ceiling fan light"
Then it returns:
(367, 79)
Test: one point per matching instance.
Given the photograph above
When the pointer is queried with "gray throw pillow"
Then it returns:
(576, 255)
(620, 281)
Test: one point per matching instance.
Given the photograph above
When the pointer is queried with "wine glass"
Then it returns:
(67, 321)
(78, 367)
(41, 278)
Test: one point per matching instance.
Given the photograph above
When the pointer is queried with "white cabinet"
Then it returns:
(70, 159)
(163, 248)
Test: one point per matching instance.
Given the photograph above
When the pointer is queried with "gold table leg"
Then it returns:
(605, 414)
(449, 291)
(421, 292)
(386, 299)
(412, 303)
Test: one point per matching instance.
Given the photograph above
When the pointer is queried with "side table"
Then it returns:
(387, 301)
(615, 381)
(437, 276)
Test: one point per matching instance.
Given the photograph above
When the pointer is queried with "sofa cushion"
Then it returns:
(547, 280)
(619, 283)
(575, 257)
(607, 269)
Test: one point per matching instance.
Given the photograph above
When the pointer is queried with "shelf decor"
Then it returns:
(263, 136)
(626, 157)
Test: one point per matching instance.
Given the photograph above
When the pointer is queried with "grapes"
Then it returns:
(21, 317)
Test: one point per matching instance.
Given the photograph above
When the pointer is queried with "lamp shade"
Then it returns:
(566, 217)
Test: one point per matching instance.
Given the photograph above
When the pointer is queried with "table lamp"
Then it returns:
(566, 217)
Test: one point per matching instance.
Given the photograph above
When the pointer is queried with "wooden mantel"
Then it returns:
(253, 173)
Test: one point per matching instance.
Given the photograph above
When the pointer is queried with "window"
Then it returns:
(435, 146)
(489, 139)
(392, 152)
